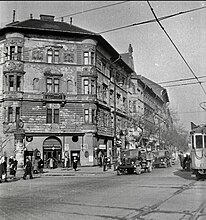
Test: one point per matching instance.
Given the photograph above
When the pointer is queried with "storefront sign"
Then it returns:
(102, 146)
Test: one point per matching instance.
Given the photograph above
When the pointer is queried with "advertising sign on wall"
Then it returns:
(102, 146)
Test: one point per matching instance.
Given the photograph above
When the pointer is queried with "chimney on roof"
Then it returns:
(31, 16)
(47, 17)
(14, 13)
(130, 49)
(71, 20)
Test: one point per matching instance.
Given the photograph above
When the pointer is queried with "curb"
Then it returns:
(75, 174)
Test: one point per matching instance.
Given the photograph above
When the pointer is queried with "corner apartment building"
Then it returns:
(63, 88)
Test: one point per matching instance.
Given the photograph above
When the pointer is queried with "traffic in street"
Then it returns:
(165, 193)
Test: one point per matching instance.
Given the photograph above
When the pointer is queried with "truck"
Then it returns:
(134, 161)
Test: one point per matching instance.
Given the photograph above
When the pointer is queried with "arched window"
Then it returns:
(49, 55)
(69, 85)
(35, 83)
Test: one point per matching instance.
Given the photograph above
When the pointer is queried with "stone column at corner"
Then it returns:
(19, 146)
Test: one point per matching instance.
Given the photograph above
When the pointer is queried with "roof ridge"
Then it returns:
(20, 24)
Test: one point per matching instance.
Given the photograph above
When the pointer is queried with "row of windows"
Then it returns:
(52, 56)
(13, 83)
(52, 115)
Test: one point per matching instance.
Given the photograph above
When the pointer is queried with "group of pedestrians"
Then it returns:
(12, 166)
(3, 168)
(185, 161)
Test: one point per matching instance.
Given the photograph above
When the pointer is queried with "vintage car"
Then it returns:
(162, 158)
(133, 161)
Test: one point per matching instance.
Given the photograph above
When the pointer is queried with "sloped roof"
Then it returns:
(49, 25)
(125, 57)
(158, 90)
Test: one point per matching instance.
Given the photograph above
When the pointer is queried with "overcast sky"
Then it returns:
(154, 55)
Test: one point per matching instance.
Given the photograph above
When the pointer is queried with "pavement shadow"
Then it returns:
(188, 175)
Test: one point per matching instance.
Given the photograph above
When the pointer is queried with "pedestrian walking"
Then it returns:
(1, 169)
(15, 163)
(100, 158)
(51, 162)
(4, 162)
(28, 169)
(13, 166)
(75, 163)
(104, 163)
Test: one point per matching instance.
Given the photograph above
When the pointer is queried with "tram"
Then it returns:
(198, 150)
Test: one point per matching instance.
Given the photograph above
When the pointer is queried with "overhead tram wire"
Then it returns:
(92, 9)
(135, 24)
(180, 80)
(153, 20)
(176, 47)
(76, 13)
(183, 84)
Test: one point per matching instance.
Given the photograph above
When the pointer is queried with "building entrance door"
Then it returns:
(52, 148)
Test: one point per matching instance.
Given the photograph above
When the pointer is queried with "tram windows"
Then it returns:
(204, 141)
(199, 141)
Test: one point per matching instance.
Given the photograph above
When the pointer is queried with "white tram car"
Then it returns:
(198, 151)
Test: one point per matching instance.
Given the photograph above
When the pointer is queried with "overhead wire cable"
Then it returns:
(184, 84)
(176, 48)
(76, 13)
(153, 20)
(92, 9)
(179, 80)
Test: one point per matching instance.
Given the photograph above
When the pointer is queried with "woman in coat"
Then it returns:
(2, 169)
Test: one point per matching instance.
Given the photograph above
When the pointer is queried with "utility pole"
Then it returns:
(115, 115)
(115, 122)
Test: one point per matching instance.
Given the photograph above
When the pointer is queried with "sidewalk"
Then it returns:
(81, 171)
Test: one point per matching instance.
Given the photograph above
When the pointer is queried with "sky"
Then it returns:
(155, 57)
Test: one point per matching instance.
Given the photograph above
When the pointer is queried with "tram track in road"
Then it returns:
(185, 214)
(154, 196)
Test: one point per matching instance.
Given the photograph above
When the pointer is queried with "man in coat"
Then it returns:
(28, 169)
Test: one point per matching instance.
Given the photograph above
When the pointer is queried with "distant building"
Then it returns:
(156, 110)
